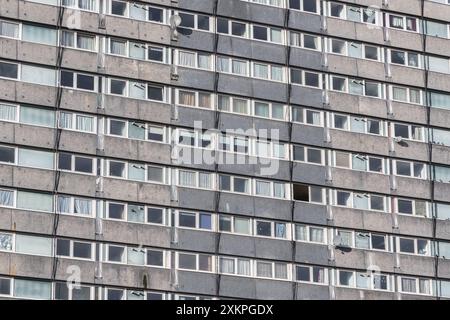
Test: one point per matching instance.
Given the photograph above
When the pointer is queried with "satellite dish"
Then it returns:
(175, 21)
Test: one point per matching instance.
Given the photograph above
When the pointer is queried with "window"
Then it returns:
(31, 289)
(196, 262)
(116, 254)
(33, 245)
(78, 81)
(9, 29)
(34, 201)
(6, 241)
(64, 292)
(413, 246)
(403, 23)
(412, 207)
(308, 193)
(74, 249)
(74, 205)
(306, 78)
(78, 40)
(9, 70)
(155, 258)
(234, 224)
(38, 34)
(410, 169)
(270, 229)
(310, 274)
(310, 233)
(195, 220)
(67, 161)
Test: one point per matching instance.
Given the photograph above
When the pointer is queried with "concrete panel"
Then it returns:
(32, 136)
(362, 220)
(310, 213)
(444, 268)
(311, 253)
(409, 225)
(351, 30)
(309, 173)
(249, 11)
(407, 76)
(36, 12)
(409, 112)
(358, 141)
(136, 233)
(31, 221)
(193, 39)
(28, 266)
(200, 283)
(79, 100)
(305, 58)
(443, 229)
(134, 276)
(206, 6)
(196, 199)
(195, 240)
(188, 116)
(77, 184)
(442, 190)
(65, 267)
(242, 287)
(255, 206)
(79, 60)
(306, 291)
(310, 135)
(192, 78)
(438, 46)
(417, 265)
(76, 227)
(355, 294)
(348, 103)
(412, 150)
(137, 109)
(411, 187)
(438, 81)
(78, 142)
(9, 8)
(356, 67)
(252, 49)
(35, 94)
(305, 21)
(363, 260)
(360, 180)
(405, 39)
(32, 178)
(304, 96)
(435, 10)
(259, 89)
(439, 117)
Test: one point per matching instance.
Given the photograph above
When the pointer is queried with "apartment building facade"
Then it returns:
(224, 149)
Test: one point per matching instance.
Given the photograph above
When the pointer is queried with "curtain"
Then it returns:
(297, 114)
(87, 4)
(301, 233)
(262, 149)
(5, 241)
(275, 35)
(204, 180)
(34, 201)
(33, 245)
(318, 274)
(85, 123)
(396, 22)
(32, 289)
(38, 34)
(69, 3)
(37, 159)
(85, 42)
(316, 234)
(438, 64)
(260, 70)
(424, 286)
(83, 206)
(118, 47)
(223, 103)
(68, 39)
(399, 94)
(276, 73)
(9, 29)
(408, 285)
(280, 230)
(186, 59)
(264, 269)
(186, 98)
(204, 100)
(241, 225)
(223, 64)
(38, 75)
(226, 265)
(295, 39)
(440, 100)
(313, 117)
(187, 178)
(278, 111)
(346, 238)
(281, 271)
(239, 67)
(243, 267)
(37, 116)
(359, 163)
(443, 211)
(262, 109)
(7, 112)
(63, 204)
(380, 282)
(279, 190)
(414, 96)
(436, 29)
(204, 61)
(240, 106)
(65, 120)
(263, 188)
(6, 198)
